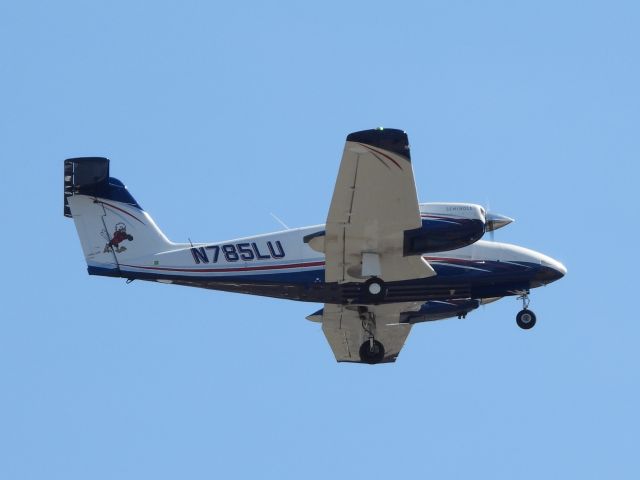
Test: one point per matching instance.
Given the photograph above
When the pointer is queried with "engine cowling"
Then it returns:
(445, 226)
(439, 310)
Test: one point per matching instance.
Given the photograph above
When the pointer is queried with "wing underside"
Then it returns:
(348, 328)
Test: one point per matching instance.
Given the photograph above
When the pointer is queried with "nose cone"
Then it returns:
(556, 270)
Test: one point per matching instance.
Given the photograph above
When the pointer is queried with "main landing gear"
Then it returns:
(525, 318)
(371, 350)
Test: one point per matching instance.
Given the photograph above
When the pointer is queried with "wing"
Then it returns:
(343, 326)
(374, 202)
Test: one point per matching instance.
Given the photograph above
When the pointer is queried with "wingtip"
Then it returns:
(390, 139)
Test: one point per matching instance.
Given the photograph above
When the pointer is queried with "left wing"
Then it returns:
(349, 329)
(374, 202)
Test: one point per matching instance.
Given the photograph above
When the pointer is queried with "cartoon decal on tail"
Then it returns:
(119, 235)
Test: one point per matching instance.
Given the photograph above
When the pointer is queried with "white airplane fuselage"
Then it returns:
(283, 265)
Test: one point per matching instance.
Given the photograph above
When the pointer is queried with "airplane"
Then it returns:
(381, 263)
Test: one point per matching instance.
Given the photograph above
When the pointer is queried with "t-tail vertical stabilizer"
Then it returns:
(113, 229)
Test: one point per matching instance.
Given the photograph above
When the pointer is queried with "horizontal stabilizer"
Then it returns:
(86, 175)
(90, 176)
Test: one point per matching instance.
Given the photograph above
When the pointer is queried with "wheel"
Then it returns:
(371, 354)
(374, 289)
(526, 319)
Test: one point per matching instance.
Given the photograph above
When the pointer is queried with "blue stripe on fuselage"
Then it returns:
(446, 268)
(492, 279)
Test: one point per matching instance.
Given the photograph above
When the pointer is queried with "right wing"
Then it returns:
(343, 327)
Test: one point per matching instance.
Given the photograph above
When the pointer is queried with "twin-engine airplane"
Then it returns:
(381, 263)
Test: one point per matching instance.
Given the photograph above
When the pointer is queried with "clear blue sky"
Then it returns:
(217, 113)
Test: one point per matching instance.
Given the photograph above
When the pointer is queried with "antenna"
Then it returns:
(279, 221)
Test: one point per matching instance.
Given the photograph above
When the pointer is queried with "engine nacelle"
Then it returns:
(445, 226)
(439, 310)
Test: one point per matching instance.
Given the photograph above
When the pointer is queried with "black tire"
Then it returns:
(371, 355)
(526, 319)
(374, 290)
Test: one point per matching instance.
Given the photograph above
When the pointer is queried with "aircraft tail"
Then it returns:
(113, 228)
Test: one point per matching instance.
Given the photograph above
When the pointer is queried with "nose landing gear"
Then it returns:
(525, 318)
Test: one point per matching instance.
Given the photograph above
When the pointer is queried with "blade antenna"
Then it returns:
(279, 221)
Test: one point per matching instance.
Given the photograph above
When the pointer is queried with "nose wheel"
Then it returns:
(525, 318)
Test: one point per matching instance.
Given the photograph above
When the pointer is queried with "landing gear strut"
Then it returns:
(525, 319)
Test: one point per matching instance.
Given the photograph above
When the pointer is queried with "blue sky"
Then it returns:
(216, 114)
